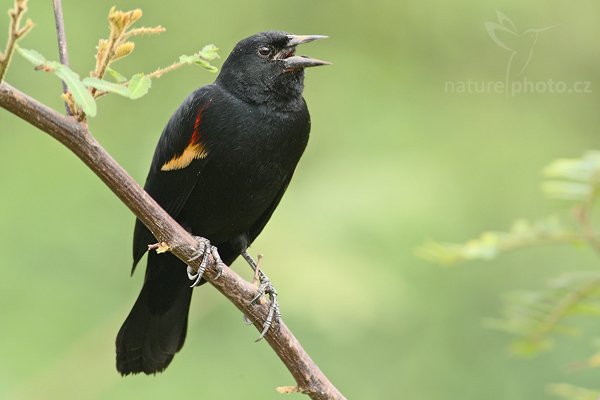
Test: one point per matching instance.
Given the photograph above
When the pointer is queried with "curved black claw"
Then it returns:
(196, 276)
(274, 315)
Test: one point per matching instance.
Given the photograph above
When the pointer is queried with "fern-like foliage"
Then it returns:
(536, 318)
(576, 182)
(490, 244)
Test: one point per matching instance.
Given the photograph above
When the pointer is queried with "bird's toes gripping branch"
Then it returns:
(205, 250)
(265, 287)
(274, 315)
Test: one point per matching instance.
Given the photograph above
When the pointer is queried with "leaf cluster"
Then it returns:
(82, 93)
(490, 244)
(535, 318)
(535, 315)
(573, 182)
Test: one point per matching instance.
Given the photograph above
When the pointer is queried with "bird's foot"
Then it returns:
(205, 250)
(218, 262)
(266, 287)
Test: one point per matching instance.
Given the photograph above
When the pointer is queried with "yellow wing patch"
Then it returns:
(191, 153)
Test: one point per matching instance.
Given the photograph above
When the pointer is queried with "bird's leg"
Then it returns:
(265, 287)
(205, 250)
(255, 279)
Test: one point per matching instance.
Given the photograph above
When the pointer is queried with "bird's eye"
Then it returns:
(265, 51)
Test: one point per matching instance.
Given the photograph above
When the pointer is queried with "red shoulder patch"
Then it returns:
(196, 134)
(194, 149)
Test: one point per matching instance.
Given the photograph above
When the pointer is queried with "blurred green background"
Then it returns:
(393, 160)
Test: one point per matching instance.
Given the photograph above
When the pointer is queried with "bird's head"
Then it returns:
(264, 68)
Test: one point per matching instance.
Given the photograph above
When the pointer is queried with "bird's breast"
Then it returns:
(244, 174)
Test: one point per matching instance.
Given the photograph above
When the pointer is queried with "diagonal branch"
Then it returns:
(76, 137)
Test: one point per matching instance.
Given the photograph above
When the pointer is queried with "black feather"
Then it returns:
(252, 126)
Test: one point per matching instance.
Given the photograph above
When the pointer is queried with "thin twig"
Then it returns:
(584, 218)
(15, 32)
(583, 214)
(145, 30)
(62, 43)
(161, 71)
(120, 22)
(77, 138)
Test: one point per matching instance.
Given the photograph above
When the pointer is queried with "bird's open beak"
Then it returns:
(293, 61)
(295, 40)
(296, 62)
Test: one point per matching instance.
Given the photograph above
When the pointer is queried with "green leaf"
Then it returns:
(185, 59)
(209, 52)
(116, 75)
(107, 86)
(32, 56)
(80, 93)
(575, 180)
(570, 191)
(139, 84)
(198, 60)
(207, 66)
(585, 169)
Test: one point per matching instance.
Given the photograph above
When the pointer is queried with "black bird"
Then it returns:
(220, 168)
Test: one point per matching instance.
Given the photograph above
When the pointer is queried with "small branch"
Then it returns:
(288, 389)
(202, 58)
(144, 30)
(161, 71)
(583, 214)
(562, 309)
(62, 44)
(77, 138)
(105, 48)
(584, 218)
(475, 249)
(119, 22)
(15, 32)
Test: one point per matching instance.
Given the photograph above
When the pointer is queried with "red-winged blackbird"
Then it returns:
(220, 168)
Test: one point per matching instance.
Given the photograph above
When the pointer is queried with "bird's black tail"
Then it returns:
(156, 326)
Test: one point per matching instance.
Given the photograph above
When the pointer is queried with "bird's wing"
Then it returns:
(230, 251)
(178, 159)
(260, 223)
